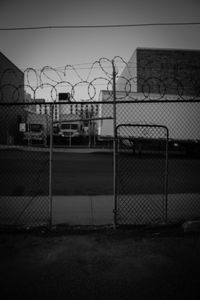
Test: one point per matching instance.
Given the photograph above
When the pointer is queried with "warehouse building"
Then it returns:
(162, 71)
(11, 91)
(157, 74)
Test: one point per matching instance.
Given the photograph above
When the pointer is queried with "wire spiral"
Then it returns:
(85, 83)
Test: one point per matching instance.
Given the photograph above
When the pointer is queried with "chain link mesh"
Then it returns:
(24, 172)
(141, 157)
(51, 109)
(141, 161)
(141, 173)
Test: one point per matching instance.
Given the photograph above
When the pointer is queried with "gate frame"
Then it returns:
(166, 166)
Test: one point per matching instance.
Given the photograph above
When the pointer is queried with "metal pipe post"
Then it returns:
(50, 163)
(114, 146)
(166, 175)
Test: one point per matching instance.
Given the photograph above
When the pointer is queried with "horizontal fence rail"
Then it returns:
(59, 112)
(27, 167)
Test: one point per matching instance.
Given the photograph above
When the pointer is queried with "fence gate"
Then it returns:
(141, 174)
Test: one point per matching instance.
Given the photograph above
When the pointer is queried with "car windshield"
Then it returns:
(36, 127)
(69, 126)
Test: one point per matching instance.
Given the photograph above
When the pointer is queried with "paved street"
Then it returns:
(27, 173)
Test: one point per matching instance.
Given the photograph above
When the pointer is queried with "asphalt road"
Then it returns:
(27, 173)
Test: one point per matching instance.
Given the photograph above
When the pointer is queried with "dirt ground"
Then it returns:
(100, 264)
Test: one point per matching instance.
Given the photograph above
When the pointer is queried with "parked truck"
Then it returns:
(69, 129)
(37, 128)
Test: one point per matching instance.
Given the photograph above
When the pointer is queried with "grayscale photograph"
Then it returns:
(100, 149)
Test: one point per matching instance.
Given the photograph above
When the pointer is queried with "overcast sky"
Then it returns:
(58, 47)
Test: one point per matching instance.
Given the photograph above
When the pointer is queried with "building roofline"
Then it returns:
(166, 96)
(166, 49)
(1, 53)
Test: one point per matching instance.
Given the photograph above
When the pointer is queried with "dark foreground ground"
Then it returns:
(122, 264)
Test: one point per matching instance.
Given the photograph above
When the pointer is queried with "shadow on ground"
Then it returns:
(100, 264)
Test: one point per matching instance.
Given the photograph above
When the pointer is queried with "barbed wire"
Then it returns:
(151, 89)
(48, 82)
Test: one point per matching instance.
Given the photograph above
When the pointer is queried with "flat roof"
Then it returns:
(167, 49)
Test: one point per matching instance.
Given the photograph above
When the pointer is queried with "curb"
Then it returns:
(64, 150)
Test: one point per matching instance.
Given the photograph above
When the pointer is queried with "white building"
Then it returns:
(181, 118)
(156, 75)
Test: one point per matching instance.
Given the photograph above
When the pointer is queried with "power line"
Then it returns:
(100, 26)
(73, 67)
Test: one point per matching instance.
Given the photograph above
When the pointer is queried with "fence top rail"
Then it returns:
(101, 102)
(143, 125)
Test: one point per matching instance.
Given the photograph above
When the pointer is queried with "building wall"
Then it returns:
(168, 71)
(162, 74)
(164, 71)
(10, 118)
(181, 118)
(128, 78)
(11, 81)
(11, 90)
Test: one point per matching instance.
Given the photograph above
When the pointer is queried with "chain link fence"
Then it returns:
(24, 172)
(146, 158)
(147, 119)
(157, 159)
(35, 142)
(142, 176)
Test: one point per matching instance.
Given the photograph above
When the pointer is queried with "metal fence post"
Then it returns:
(50, 163)
(114, 146)
(166, 175)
